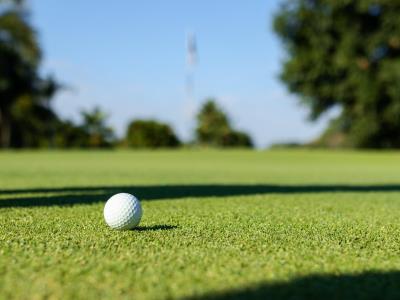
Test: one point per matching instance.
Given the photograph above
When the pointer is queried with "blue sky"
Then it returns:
(129, 58)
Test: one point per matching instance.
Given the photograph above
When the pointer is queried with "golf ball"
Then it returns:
(122, 211)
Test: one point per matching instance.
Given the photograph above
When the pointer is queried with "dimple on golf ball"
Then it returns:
(122, 211)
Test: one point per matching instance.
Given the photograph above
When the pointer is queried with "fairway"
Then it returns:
(216, 224)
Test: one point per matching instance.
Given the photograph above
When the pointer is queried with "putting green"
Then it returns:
(216, 224)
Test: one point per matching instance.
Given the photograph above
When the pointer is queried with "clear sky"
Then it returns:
(128, 57)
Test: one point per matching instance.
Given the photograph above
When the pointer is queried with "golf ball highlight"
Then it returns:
(122, 211)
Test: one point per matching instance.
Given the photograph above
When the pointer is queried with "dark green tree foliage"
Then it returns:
(151, 134)
(94, 125)
(346, 53)
(214, 128)
(93, 132)
(25, 114)
(69, 135)
(236, 138)
(33, 124)
(213, 124)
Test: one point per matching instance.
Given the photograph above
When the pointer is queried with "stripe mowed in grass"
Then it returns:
(216, 224)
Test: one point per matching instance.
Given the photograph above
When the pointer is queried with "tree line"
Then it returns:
(27, 119)
(340, 54)
(213, 129)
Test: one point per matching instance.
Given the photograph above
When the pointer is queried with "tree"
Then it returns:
(21, 87)
(213, 124)
(346, 53)
(236, 139)
(33, 124)
(214, 129)
(94, 125)
(151, 134)
(92, 132)
(69, 135)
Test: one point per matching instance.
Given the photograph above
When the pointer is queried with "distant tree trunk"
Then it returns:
(5, 129)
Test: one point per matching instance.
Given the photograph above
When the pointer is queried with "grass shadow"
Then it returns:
(155, 228)
(366, 286)
(87, 195)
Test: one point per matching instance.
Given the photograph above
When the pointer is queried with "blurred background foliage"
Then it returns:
(26, 118)
(339, 54)
(214, 128)
(151, 134)
(345, 54)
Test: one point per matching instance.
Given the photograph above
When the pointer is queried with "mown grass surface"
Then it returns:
(222, 225)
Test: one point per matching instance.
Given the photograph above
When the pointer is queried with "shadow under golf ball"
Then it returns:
(154, 228)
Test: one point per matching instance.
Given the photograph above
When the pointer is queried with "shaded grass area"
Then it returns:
(87, 195)
(230, 225)
(369, 285)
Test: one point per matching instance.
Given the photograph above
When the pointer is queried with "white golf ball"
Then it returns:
(122, 211)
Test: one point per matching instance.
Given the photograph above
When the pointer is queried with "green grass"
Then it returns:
(221, 225)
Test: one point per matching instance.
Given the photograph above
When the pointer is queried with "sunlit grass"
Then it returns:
(214, 222)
